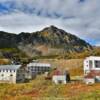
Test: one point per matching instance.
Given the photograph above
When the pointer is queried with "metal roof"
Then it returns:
(93, 58)
(57, 72)
(9, 67)
(39, 64)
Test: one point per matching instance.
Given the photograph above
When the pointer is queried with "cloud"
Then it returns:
(18, 22)
(80, 17)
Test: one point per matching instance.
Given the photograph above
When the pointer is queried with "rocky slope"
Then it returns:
(49, 41)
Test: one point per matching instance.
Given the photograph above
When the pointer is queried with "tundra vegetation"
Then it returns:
(41, 89)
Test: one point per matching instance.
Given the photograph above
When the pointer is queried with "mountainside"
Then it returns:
(49, 41)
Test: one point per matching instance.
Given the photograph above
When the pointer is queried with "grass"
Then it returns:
(41, 89)
(75, 66)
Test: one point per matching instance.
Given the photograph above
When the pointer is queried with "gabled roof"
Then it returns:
(9, 67)
(93, 58)
(57, 72)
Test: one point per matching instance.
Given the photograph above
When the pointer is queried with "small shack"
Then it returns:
(60, 77)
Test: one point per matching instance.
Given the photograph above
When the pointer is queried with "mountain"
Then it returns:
(49, 41)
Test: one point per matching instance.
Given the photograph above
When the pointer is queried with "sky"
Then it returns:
(79, 17)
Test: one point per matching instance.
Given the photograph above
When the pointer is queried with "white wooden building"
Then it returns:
(11, 73)
(59, 77)
(92, 69)
(37, 68)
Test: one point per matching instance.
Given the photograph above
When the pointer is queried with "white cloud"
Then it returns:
(19, 22)
(80, 18)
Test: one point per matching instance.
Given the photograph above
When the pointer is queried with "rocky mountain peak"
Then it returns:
(51, 40)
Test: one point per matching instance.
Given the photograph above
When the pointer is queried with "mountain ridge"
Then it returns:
(49, 41)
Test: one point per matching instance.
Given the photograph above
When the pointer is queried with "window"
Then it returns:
(11, 75)
(23, 75)
(28, 68)
(38, 68)
(97, 64)
(18, 74)
(59, 81)
(2, 75)
(45, 69)
(90, 63)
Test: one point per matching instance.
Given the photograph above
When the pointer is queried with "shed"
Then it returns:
(59, 77)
